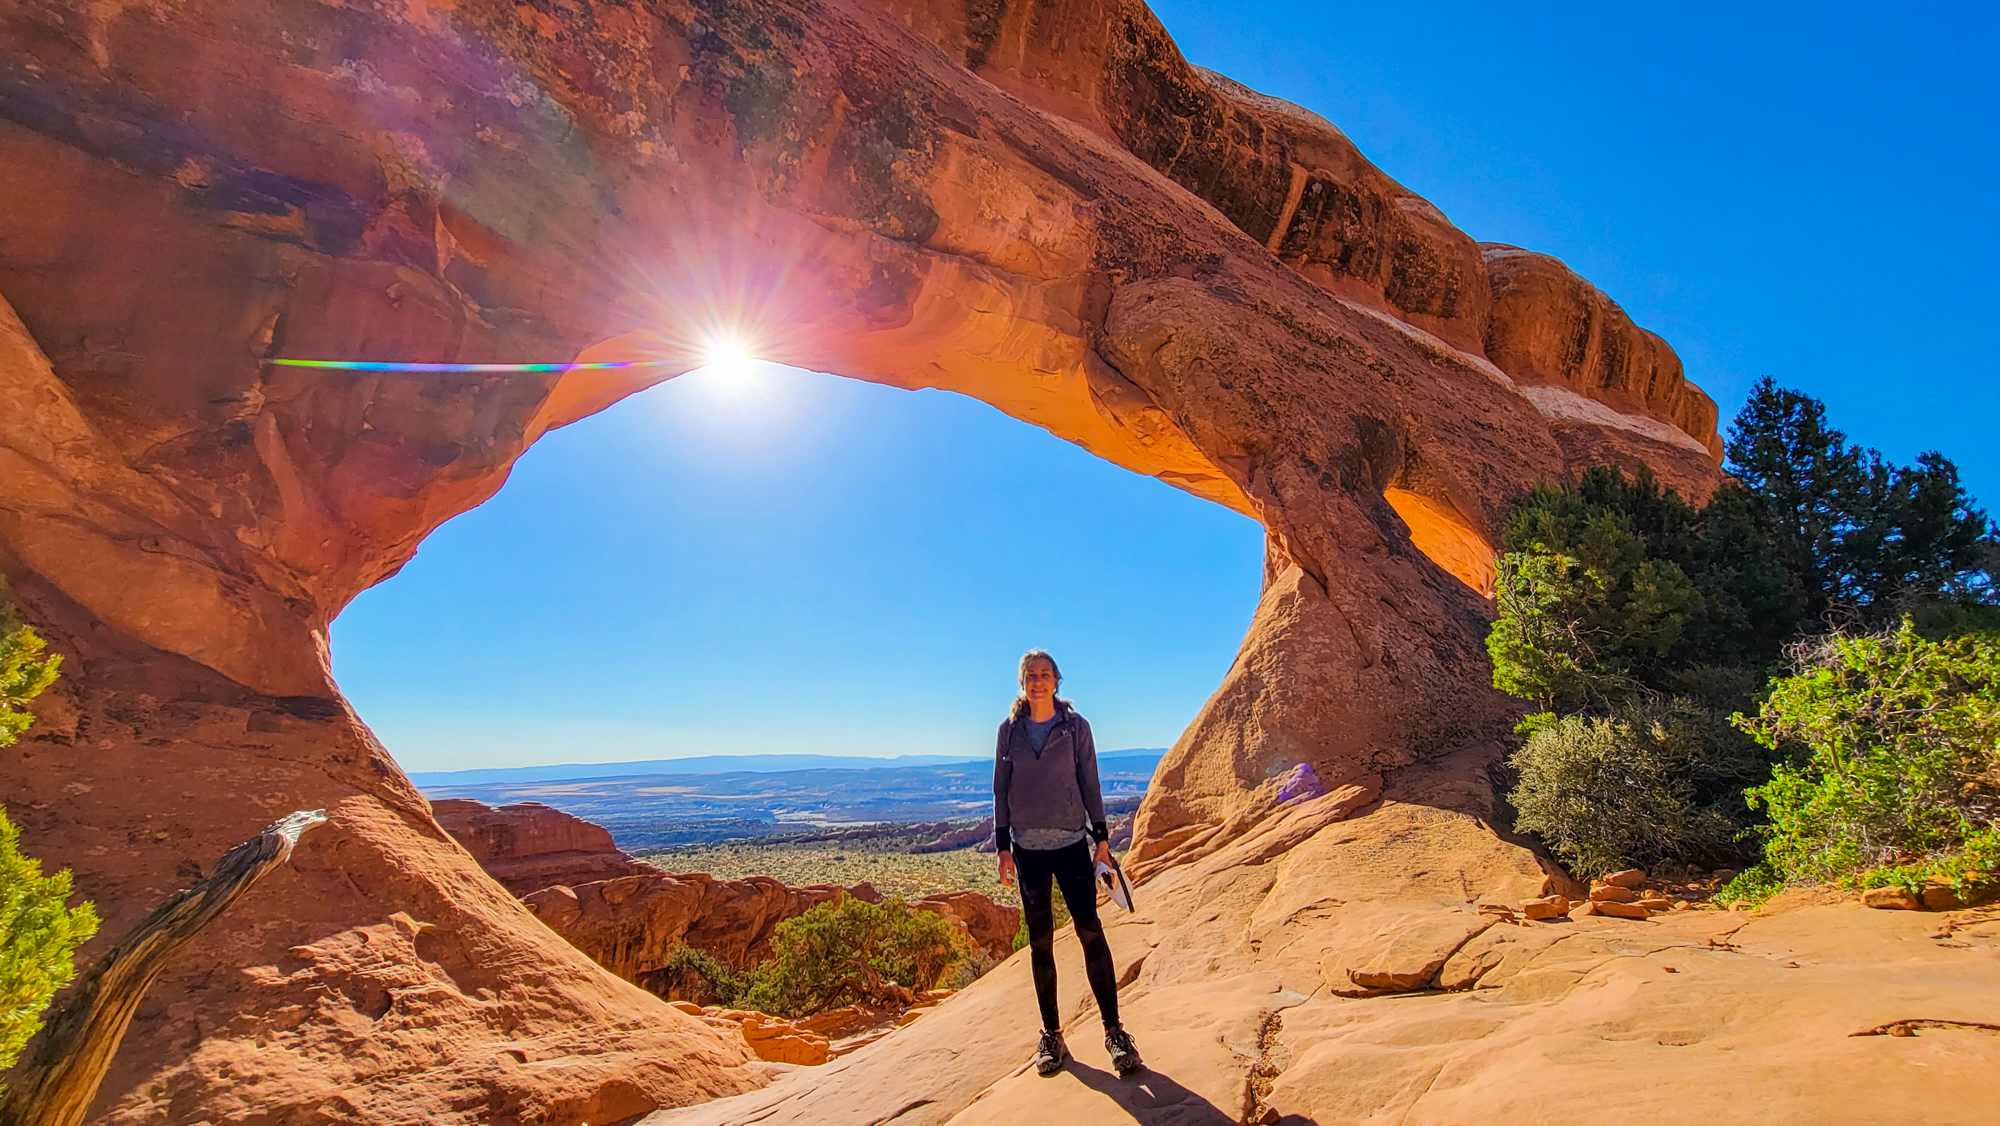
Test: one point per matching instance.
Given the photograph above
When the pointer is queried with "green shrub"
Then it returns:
(692, 974)
(1899, 772)
(1652, 783)
(39, 932)
(38, 935)
(851, 951)
(24, 672)
(1577, 607)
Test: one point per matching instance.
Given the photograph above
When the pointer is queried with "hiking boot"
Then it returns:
(1051, 1054)
(1124, 1054)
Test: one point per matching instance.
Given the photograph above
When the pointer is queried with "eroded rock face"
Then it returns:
(1041, 206)
(528, 846)
(630, 925)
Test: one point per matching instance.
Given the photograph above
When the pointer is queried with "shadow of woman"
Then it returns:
(1152, 1098)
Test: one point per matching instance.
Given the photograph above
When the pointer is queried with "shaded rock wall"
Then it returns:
(1040, 205)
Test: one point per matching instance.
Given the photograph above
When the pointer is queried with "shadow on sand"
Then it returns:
(1156, 1100)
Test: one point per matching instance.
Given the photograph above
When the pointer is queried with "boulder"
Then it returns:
(1892, 899)
(1545, 907)
(1633, 878)
(1406, 954)
(1620, 910)
(1609, 894)
(1940, 896)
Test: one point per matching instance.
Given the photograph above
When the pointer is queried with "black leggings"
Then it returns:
(1076, 871)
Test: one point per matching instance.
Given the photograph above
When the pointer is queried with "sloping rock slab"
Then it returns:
(1405, 955)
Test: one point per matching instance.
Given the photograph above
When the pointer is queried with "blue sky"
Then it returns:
(802, 563)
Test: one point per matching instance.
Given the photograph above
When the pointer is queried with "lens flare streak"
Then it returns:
(390, 365)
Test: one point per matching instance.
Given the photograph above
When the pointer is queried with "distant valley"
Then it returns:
(667, 802)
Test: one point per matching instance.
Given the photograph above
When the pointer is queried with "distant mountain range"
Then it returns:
(703, 764)
(683, 801)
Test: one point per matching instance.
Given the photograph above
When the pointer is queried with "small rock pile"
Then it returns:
(1621, 895)
(1935, 896)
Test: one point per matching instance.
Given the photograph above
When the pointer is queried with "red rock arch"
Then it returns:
(1042, 206)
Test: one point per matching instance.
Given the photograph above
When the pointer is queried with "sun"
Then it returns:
(727, 357)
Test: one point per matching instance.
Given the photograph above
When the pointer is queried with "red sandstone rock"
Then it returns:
(1633, 878)
(1620, 910)
(992, 926)
(1606, 893)
(632, 924)
(1546, 907)
(1891, 899)
(528, 846)
(781, 1041)
(1046, 208)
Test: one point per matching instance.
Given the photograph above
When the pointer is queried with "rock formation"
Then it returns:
(1257, 982)
(528, 846)
(629, 915)
(631, 925)
(1040, 205)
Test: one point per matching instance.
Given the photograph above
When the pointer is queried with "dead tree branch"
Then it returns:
(58, 1077)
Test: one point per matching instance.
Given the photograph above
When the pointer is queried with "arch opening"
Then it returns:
(769, 560)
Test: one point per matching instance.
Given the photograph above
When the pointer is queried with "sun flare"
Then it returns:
(729, 357)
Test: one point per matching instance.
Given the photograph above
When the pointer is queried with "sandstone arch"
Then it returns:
(1041, 205)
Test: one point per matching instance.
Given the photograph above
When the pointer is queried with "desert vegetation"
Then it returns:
(1799, 675)
(885, 860)
(39, 931)
(844, 952)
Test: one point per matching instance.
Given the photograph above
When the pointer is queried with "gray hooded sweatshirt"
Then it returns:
(1053, 789)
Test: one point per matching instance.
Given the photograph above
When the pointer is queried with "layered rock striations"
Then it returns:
(1043, 206)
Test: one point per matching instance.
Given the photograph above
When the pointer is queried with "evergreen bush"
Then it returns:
(693, 974)
(1655, 781)
(39, 932)
(1897, 781)
(850, 951)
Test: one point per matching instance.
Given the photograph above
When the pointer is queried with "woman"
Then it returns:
(1046, 808)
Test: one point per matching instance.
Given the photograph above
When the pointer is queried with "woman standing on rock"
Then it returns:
(1046, 808)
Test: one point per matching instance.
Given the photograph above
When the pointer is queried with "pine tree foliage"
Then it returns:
(39, 932)
(1617, 586)
(1863, 537)
(38, 936)
(24, 673)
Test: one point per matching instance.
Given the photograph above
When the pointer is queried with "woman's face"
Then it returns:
(1039, 682)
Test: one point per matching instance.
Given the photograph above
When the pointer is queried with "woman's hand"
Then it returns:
(1006, 869)
(1104, 852)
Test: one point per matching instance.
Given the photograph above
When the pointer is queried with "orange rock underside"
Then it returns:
(1045, 208)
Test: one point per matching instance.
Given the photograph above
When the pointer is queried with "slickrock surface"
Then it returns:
(528, 846)
(1043, 206)
(1234, 976)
